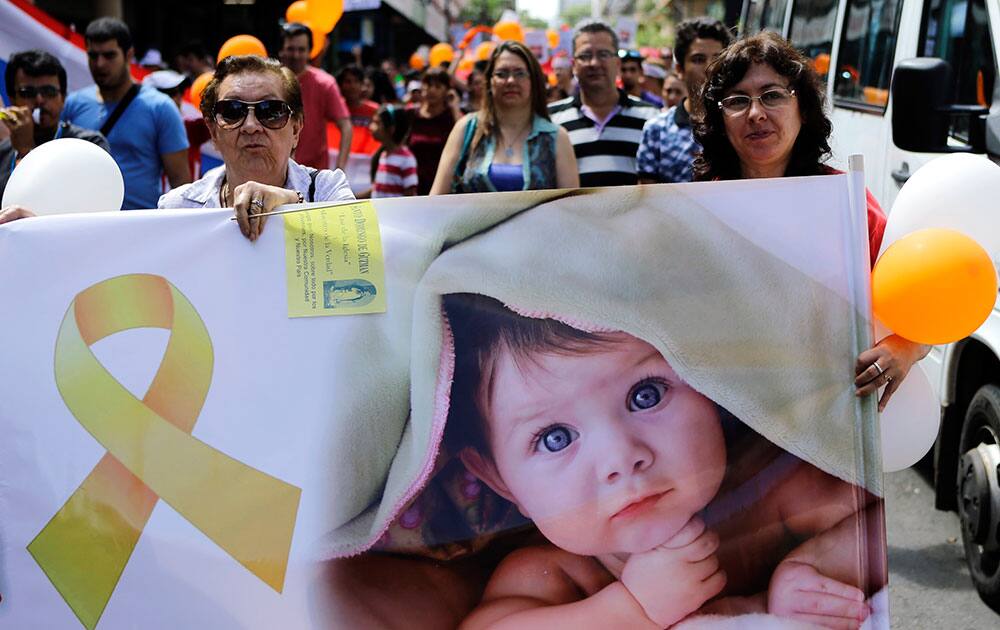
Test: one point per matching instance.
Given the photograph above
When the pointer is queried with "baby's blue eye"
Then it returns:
(646, 396)
(556, 439)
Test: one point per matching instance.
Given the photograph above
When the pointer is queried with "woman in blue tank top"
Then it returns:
(510, 144)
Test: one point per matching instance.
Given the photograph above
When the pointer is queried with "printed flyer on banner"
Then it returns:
(612, 407)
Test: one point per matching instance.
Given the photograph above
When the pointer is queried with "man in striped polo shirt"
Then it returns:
(604, 123)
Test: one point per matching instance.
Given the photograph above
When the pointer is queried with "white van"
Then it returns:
(941, 59)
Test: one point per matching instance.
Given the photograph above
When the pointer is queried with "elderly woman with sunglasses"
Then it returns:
(763, 117)
(253, 107)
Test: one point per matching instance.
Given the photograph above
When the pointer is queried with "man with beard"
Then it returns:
(36, 82)
(604, 123)
(667, 151)
(142, 125)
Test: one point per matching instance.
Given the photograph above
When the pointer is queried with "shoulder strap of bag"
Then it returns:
(313, 174)
(120, 109)
(470, 130)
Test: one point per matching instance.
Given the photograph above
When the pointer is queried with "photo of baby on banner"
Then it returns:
(601, 408)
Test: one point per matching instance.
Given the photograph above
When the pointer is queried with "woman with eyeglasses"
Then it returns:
(763, 117)
(510, 144)
(253, 108)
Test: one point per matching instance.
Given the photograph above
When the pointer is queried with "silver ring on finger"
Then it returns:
(257, 203)
(888, 379)
(878, 367)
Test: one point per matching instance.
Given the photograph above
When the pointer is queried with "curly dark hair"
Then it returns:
(718, 159)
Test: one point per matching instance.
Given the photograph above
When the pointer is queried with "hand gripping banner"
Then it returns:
(151, 453)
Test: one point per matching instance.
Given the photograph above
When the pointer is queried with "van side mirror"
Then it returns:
(922, 109)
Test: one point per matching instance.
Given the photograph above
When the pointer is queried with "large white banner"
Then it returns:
(180, 452)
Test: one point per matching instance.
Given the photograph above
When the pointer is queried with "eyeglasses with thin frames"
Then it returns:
(517, 75)
(30, 91)
(271, 113)
(600, 55)
(772, 99)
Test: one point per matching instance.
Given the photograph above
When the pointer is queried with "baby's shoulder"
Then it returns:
(548, 573)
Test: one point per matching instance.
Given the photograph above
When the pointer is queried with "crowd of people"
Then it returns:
(753, 108)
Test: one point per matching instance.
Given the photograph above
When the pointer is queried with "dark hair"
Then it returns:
(107, 28)
(294, 29)
(193, 47)
(436, 75)
(718, 159)
(383, 91)
(698, 28)
(352, 70)
(481, 327)
(34, 63)
(488, 122)
(251, 64)
(396, 118)
(592, 27)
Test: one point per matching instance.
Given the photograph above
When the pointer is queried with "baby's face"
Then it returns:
(607, 452)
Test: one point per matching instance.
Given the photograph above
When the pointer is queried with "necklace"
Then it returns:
(224, 194)
(509, 148)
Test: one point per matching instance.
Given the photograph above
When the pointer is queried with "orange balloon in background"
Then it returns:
(417, 62)
(553, 79)
(508, 30)
(242, 45)
(297, 12)
(324, 14)
(198, 86)
(934, 286)
(441, 53)
(822, 64)
(466, 64)
(484, 50)
(319, 40)
(553, 38)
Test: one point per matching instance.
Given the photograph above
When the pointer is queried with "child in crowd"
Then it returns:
(621, 464)
(394, 169)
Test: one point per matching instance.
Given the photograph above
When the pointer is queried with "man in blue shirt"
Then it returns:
(149, 137)
(667, 150)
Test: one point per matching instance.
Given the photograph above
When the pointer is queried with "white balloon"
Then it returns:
(66, 175)
(960, 191)
(909, 424)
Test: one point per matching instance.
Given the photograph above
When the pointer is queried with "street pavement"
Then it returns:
(929, 584)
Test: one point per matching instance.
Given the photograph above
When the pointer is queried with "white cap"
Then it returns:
(654, 70)
(151, 58)
(561, 62)
(164, 79)
(414, 85)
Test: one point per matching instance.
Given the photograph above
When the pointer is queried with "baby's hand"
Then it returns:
(673, 580)
(801, 592)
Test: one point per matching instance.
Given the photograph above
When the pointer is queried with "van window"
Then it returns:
(766, 15)
(813, 23)
(958, 31)
(867, 48)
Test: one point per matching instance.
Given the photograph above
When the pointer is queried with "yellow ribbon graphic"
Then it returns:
(151, 453)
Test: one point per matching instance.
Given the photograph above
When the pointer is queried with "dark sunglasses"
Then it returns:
(30, 91)
(231, 113)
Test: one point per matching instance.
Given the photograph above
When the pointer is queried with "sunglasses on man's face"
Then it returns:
(232, 113)
(30, 91)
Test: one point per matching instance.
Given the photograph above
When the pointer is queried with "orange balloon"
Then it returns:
(324, 14)
(934, 286)
(319, 40)
(417, 62)
(441, 53)
(484, 50)
(198, 86)
(297, 12)
(553, 38)
(466, 64)
(508, 30)
(553, 79)
(242, 45)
